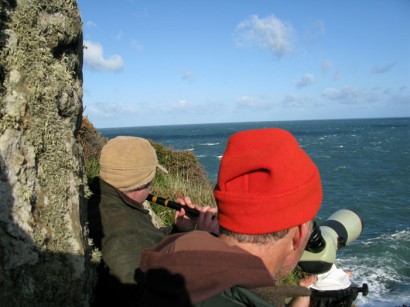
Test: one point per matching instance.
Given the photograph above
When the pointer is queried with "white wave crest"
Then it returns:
(381, 263)
(209, 144)
(399, 237)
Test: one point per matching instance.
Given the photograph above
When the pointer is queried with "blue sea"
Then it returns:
(364, 165)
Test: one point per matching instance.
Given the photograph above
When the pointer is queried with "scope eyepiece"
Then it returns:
(316, 242)
(339, 230)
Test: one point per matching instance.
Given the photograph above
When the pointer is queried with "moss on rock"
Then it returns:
(47, 259)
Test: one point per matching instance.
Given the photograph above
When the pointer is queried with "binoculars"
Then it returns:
(339, 230)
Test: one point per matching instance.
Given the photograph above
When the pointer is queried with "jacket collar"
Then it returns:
(98, 185)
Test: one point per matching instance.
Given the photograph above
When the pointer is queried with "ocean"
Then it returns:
(364, 166)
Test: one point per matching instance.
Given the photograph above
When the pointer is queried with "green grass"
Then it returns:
(92, 167)
(172, 186)
(186, 177)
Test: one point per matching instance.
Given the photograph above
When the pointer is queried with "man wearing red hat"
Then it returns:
(268, 193)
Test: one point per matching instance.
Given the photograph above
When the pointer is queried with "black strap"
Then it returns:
(339, 298)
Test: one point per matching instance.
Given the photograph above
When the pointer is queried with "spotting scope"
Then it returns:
(333, 286)
(339, 230)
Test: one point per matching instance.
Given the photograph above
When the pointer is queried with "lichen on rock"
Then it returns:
(45, 256)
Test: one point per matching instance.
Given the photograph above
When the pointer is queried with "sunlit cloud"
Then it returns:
(137, 46)
(94, 58)
(112, 110)
(253, 102)
(288, 101)
(181, 104)
(187, 75)
(268, 33)
(90, 24)
(295, 101)
(350, 95)
(306, 80)
(345, 93)
(326, 66)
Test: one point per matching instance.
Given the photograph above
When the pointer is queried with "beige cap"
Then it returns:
(128, 162)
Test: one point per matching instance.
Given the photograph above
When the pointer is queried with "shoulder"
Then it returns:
(236, 296)
(263, 297)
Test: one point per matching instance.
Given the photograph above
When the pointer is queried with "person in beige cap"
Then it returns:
(128, 163)
(120, 226)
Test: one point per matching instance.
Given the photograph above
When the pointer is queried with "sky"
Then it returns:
(163, 62)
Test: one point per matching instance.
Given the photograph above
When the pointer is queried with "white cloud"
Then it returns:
(112, 110)
(252, 102)
(138, 110)
(382, 69)
(326, 65)
(137, 46)
(346, 93)
(94, 58)
(300, 101)
(306, 80)
(90, 24)
(350, 95)
(288, 101)
(269, 33)
(181, 104)
(187, 75)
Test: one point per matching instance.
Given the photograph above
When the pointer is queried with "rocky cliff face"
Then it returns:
(44, 253)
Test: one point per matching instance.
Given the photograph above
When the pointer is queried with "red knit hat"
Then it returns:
(266, 183)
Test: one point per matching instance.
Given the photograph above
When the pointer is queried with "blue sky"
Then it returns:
(163, 62)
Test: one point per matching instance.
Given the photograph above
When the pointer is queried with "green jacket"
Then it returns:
(258, 297)
(121, 228)
(235, 296)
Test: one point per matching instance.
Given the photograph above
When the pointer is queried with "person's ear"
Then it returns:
(299, 236)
